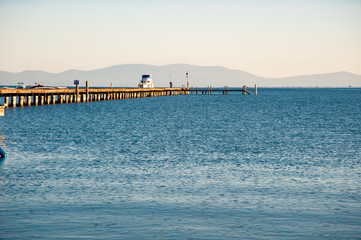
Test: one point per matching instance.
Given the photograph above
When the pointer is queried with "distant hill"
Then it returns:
(128, 75)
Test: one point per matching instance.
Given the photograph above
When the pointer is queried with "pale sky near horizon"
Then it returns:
(277, 38)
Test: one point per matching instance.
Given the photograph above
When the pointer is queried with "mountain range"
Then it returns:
(128, 75)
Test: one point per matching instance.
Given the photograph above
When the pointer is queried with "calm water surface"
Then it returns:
(281, 165)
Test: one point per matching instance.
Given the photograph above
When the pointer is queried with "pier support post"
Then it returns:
(77, 93)
(29, 100)
(255, 89)
(244, 90)
(21, 101)
(7, 99)
(14, 101)
(87, 90)
(36, 100)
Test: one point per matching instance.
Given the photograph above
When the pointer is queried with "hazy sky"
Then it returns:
(270, 38)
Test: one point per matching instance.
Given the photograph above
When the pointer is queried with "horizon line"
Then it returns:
(193, 65)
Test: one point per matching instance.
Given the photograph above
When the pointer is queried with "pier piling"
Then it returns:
(87, 90)
(77, 93)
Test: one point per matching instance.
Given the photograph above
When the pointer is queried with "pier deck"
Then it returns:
(45, 96)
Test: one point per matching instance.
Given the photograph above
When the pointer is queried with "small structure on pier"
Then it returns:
(146, 82)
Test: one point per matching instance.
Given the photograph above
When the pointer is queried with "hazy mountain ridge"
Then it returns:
(128, 75)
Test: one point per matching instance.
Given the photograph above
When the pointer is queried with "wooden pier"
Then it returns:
(11, 97)
(47, 96)
(225, 91)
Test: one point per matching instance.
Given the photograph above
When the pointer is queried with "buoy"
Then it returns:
(2, 153)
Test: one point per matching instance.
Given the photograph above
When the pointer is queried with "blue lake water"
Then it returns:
(281, 165)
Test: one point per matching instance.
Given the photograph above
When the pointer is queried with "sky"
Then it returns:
(268, 38)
